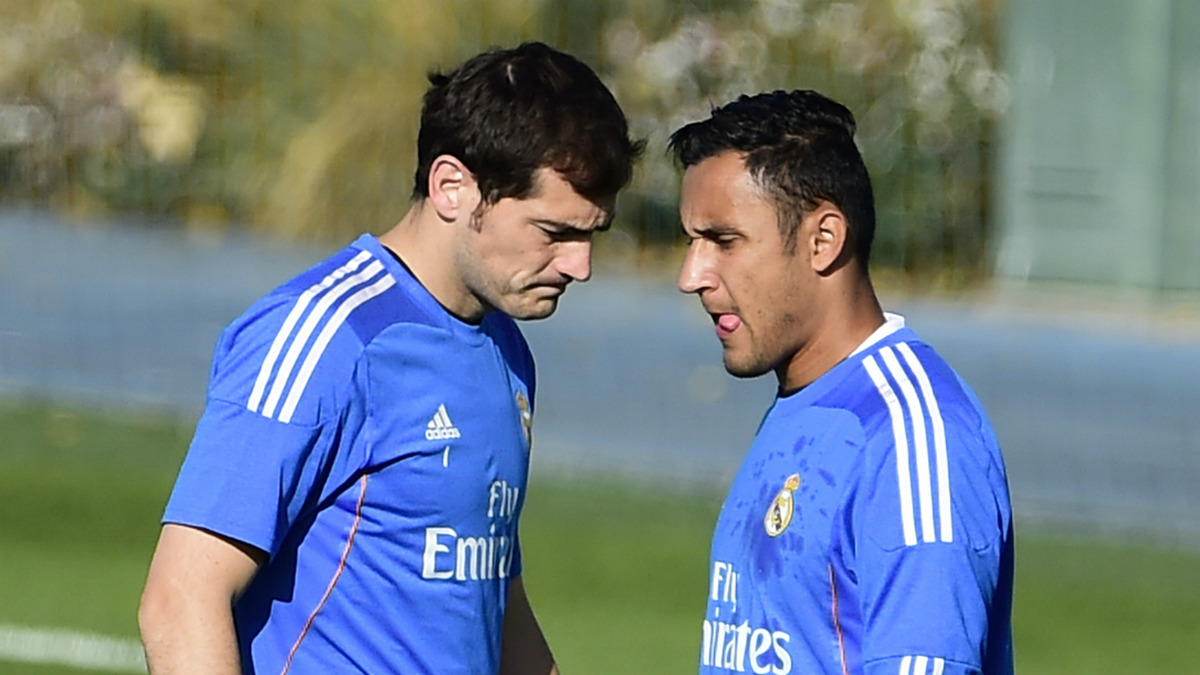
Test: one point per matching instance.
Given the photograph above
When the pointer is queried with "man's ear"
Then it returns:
(453, 192)
(828, 237)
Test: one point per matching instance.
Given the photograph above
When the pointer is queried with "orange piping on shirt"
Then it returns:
(362, 494)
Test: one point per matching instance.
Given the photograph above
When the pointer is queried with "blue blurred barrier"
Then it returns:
(1097, 412)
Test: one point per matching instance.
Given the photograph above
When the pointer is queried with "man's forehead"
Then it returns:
(726, 164)
(721, 178)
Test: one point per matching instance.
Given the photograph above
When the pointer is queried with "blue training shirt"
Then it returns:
(376, 448)
(868, 530)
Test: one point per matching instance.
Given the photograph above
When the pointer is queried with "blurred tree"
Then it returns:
(62, 118)
(312, 104)
(920, 75)
(299, 116)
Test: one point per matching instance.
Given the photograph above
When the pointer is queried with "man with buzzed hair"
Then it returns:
(869, 529)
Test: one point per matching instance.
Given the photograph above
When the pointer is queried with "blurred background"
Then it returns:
(1037, 172)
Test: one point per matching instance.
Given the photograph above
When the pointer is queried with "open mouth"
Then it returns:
(726, 323)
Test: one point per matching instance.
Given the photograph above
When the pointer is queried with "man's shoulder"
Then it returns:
(930, 450)
(917, 407)
(308, 334)
(355, 288)
(909, 400)
(904, 373)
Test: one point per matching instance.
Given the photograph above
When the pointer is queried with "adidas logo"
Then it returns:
(440, 427)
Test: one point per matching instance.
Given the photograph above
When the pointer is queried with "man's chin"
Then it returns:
(742, 369)
(532, 311)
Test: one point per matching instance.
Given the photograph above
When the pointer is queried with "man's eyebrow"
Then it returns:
(569, 227)
(712, 229)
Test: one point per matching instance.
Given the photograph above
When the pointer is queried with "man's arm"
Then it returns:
(523, 650)
(933, 547)
(186, 613)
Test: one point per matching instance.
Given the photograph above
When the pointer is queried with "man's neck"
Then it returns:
(426, 246)
(845, 323)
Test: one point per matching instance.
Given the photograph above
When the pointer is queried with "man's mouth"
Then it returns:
(726, 323)
(552, 289)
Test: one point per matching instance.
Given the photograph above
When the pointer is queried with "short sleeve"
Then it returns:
(249, 477)
(928, 605)
(931, 529)
(285, 409)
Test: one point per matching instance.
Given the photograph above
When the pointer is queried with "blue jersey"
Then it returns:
(376, 448)
(868, 530)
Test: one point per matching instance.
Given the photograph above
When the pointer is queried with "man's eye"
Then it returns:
(567, 235)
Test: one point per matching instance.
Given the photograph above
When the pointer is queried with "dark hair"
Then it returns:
(507, 113)
(799, 147)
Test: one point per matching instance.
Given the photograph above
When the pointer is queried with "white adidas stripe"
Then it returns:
(904, 480)
(318, 348)
(939, 441)
(330, 292)
(920, 446)
(264, 373)
(913, 407)
(440, 419)
(919, 665)
(310, 324)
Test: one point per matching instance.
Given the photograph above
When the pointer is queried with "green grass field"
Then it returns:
(617, 572)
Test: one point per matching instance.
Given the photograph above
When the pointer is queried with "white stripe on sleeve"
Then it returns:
(920, 665)
(314, 317)
(264, 373)
(318, 348)
(904, 479)
(920, 446)
(939, 442)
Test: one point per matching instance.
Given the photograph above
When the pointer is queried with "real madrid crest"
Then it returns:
(779, 513)
(526, 417)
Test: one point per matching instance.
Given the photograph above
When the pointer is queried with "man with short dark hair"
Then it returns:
(869, 529)
(350, 500)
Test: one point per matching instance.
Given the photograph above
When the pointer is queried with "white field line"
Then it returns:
(89, 651)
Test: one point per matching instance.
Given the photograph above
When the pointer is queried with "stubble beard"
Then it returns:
(523, 305)
(748, 366)
(538, 311)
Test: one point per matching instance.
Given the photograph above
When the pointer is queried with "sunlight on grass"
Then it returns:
(616, 572)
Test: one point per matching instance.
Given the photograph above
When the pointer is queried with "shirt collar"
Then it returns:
(891, 324)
